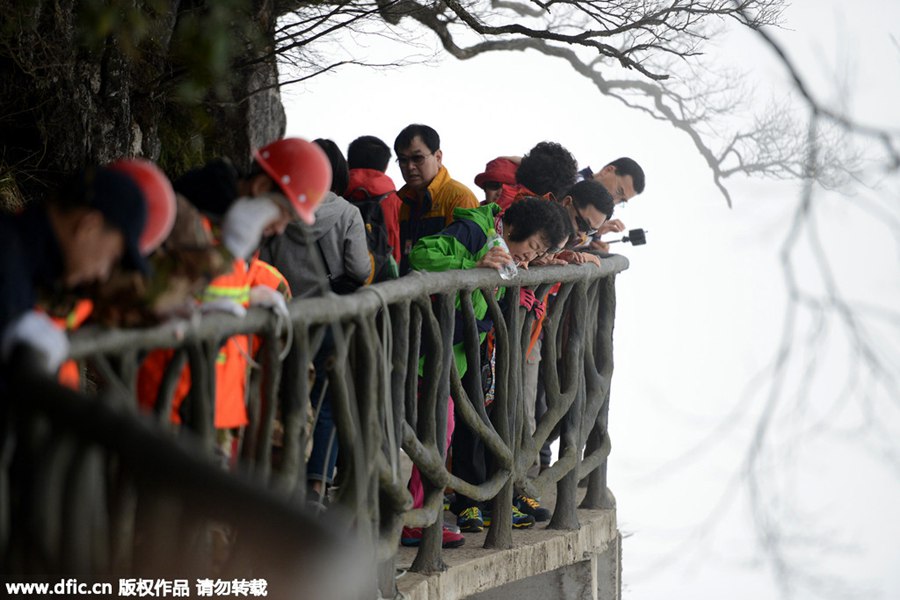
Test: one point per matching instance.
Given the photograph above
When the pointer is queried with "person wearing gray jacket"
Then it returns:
(336, 241)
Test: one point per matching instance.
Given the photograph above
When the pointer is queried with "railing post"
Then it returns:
(598, 495)
(433, 407)
(506, 398)
(570, 444)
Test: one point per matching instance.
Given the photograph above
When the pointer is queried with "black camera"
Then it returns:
(637, 237)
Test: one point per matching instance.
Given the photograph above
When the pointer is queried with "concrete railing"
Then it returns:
(124, 473)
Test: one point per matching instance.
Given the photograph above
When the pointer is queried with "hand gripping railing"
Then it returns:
(382, 405)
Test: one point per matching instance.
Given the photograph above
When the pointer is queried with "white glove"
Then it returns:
(245, 222)
(229, 307)
(266, 297)
(36, 330)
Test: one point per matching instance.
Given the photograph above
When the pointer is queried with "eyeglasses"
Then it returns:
(416, 159)
(619, 193)
(582, 224)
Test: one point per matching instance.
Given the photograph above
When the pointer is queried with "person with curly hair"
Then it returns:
(548, 169)
(530, 227)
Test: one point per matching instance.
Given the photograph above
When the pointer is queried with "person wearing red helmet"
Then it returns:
(76, 238)
(330, 255)
(301, 170)
(158, 195)
(287, 180)
(159, 199)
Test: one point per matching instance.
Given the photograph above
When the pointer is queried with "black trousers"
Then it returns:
(470, 461)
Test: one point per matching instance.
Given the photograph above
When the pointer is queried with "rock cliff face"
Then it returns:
(81, 83)
(257, 118)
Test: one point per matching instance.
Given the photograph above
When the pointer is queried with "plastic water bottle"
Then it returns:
(509, 270)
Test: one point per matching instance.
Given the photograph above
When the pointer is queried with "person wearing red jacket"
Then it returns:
(368, 158)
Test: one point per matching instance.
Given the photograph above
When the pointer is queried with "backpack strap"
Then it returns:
(361, 194)
(324, 260)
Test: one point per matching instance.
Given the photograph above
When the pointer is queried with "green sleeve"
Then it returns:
(440, 253)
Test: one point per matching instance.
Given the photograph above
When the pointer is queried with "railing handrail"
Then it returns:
(96, 340)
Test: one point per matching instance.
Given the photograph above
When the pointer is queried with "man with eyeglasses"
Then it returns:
(623, 178)
(430, 196)
(590, 206)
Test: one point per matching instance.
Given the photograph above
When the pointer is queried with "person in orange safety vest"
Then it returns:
(288, 179)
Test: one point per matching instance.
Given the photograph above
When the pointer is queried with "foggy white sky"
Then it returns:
(701, 309)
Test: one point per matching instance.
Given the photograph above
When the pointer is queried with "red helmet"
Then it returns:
(159, 196)
(302, 171)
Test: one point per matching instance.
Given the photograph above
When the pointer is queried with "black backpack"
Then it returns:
(384, 266)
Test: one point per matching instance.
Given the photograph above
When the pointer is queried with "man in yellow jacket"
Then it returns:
(430, 196)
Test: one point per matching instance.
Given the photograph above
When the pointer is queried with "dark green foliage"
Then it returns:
(208, 42)
(91, 80)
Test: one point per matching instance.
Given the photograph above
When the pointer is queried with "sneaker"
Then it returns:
(470, 521)
(530, 506)
(519, 519)
(412, 536)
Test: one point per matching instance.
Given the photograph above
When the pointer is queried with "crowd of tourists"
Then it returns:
(123, 244)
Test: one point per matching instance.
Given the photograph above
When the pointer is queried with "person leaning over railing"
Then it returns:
(624, 179)
(547, 170)
(94, 221)
(589, 206)
(70, 311)
(288, 179)
(497, 173)
(529, 230)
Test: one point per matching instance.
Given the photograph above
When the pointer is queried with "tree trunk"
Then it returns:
(73, 93)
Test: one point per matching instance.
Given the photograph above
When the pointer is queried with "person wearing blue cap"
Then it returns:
(75, 238)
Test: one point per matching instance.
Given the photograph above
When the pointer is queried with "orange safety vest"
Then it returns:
(262, 273)
(231, 362)
(69, 374)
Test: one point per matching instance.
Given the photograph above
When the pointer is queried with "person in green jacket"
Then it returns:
(530, 228)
